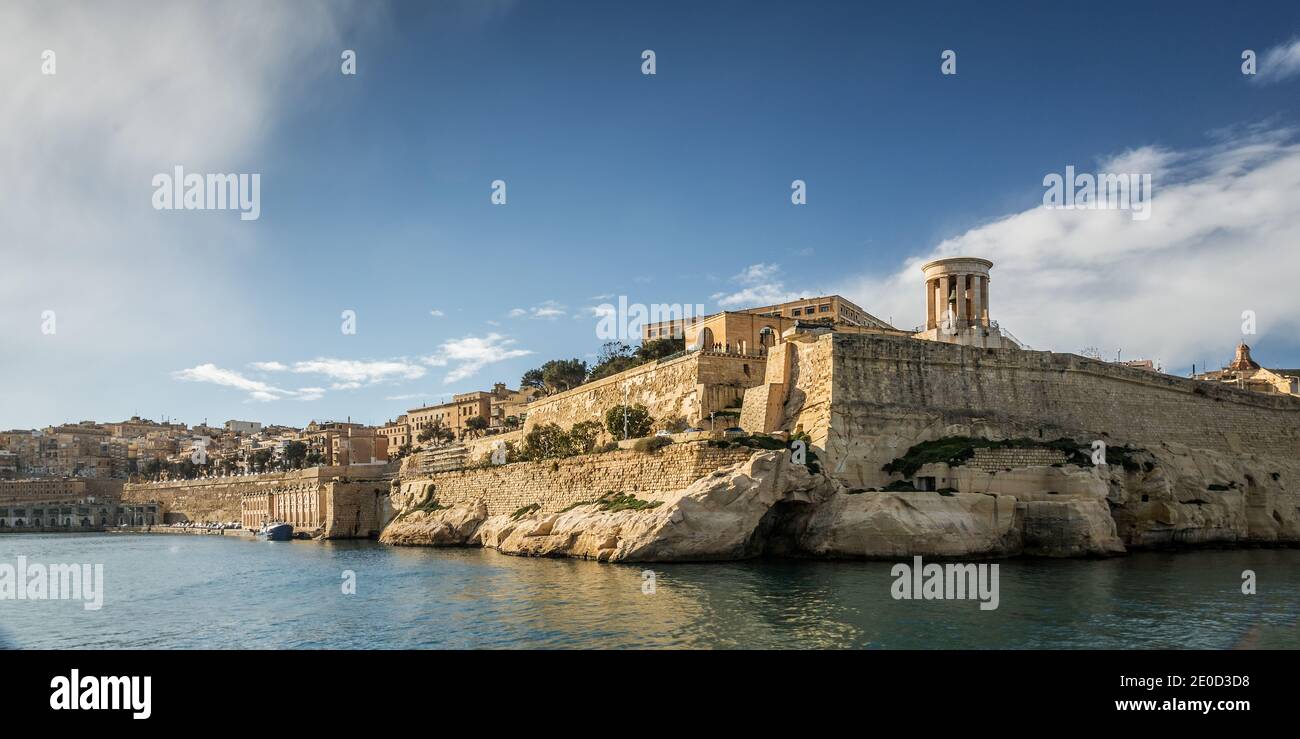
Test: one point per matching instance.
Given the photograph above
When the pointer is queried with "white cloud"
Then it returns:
(212, 374)
(547, 310)
(760, 284)
(134, 94)
(1221, 240)
(1279, 63)
(436, 313)
(352, 373)
(348, 374)
(470, 354)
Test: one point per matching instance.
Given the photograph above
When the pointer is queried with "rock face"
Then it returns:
(446, 527)
(887, 525)
(729, 514)
(768, 505)
(1069, 528)
(1179, 495)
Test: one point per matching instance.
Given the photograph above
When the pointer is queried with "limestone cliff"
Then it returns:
(769, 505)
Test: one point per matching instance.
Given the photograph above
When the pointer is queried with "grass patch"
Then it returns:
(614, 502)
(651, 443)
(428, 505)
(955, 450)
(899, 486)
(524, 511)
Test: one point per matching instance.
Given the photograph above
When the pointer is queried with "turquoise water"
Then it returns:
(175, 591)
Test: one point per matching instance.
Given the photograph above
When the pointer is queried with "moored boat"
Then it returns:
(276, 531)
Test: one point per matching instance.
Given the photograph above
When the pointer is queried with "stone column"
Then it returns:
(931, 300)
(962, 318)
(984, 301)
(943, 299)
(977, 300)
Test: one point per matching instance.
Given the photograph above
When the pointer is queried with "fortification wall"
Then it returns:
(889, 393)
(556, 484)
(217, 499)
(678, 391)
(356, 510)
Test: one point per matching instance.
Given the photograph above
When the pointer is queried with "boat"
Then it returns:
(277, 531)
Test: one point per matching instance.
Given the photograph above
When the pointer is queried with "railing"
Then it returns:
(1009, 336)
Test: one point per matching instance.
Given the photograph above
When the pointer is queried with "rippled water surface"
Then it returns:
(177, 591)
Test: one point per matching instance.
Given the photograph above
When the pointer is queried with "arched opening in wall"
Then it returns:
(706, 339)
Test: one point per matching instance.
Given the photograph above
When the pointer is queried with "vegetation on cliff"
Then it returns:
(612, 502)
(955, 450)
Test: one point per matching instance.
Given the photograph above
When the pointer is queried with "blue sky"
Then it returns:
(671, 188)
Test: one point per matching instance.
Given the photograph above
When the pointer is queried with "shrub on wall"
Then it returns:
(637, 421)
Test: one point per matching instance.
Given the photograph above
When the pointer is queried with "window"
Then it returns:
(824, 309)
(795, 312)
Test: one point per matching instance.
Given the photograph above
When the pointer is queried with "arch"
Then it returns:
(706, 339)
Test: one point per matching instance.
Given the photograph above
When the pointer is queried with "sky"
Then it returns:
(376, 189)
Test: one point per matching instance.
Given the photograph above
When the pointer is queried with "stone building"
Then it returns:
(957, 305)
(398, 434)
(832, 309)
(358, 445)
(303, 506)
(492, 406)
(1244, 372)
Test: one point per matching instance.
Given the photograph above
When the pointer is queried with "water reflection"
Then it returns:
(219, 592)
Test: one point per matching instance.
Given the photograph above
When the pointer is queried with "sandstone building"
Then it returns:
(1244, 372)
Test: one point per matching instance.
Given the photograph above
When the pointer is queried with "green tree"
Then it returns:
(533, 379)
(584, 435)
(295, 454)
(654, 349)
(477, 424)
(547, 441)
(638, 421)
(556, 376)
(262, 460)
(614, 357)
(437, 432)
(563, 374)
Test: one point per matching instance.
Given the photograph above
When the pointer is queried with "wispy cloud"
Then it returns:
(468, 355)
(355, 373)
(547, 310)
(256, 389)
(1223, 218)
(759, 284)
(1279, 63)
(436, 313)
